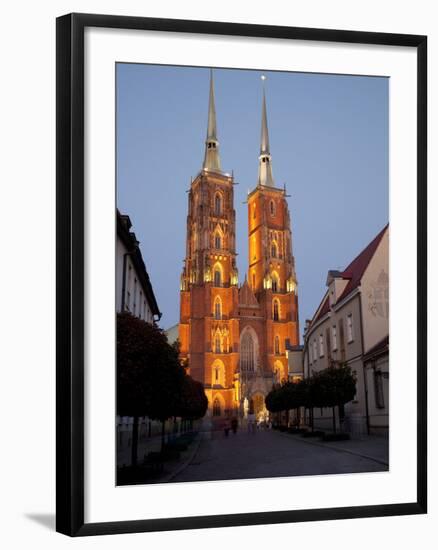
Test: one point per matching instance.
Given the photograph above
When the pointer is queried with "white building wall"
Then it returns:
(135, 295)
(375, 296)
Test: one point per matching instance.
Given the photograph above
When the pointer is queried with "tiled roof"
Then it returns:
(353, 273)
(325, 308)
(246, 295)
(378, 348)
(355, 270)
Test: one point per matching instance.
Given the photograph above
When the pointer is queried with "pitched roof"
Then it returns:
(132, 245)
(353, 273)
(355, 270)
(325, 308)
(246, 295)
(380, 348)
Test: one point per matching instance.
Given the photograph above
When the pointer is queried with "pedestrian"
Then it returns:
(227, 427)
(234, 425)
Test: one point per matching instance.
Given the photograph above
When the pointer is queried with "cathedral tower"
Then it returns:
(271, 265)
(209, 324)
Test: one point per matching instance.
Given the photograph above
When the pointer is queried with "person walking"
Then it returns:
(227, 427)
(234, 424)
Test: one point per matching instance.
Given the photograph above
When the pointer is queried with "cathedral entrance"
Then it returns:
(257, 406)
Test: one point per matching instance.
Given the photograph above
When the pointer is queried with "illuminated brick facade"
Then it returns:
(235, 339)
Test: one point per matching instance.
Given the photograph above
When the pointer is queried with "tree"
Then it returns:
(149, 375)
(193, 401)
(332, 387)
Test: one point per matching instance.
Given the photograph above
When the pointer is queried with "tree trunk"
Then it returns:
(134, 447)
(311, 419)
(334, 419)
(163, 433)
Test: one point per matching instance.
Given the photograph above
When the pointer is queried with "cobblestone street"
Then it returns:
(270, 454)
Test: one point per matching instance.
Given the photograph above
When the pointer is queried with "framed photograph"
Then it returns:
(241, 274)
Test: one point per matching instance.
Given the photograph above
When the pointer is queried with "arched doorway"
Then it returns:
(257, 406)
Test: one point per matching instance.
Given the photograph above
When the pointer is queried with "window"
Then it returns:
(217, 241)
(216, 374)
(135, 296)
(216, 407)
(350, 332)
(217, 277)
(378, 389)
(247, 353)
(272, 208)
(217, 204)
(321, 346)
(273, 250)
(217, 309)
(315, 351)
(275, 283)
(128, 288)
(277, 345)
(275, 312)
(334, 338)
(217, 345)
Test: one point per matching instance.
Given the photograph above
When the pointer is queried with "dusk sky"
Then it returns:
(329, 145)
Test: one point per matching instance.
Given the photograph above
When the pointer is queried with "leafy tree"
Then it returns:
(332, 387)
(149, 375)
(193, 402)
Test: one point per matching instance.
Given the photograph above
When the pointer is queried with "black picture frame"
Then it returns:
(70, 273)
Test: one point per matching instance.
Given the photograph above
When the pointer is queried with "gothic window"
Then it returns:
(217, 204)
(217, 309)
(275, 283)
(274, 250)
(272, 208)
(276, 310)
(216, 407)
(277, 345)
(247, 353)
(217, 344)
(217, 277)
(217, 241)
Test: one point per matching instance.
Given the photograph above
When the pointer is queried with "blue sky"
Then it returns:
(329, 144)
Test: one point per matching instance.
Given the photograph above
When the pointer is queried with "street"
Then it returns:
(270, 453)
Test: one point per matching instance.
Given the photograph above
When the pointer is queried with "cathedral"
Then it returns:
(234, 338)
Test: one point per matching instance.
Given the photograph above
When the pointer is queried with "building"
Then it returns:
(233, 338)
(134, 294)
(294, 356)
(172, 334)
(134, 291)
(351, 326)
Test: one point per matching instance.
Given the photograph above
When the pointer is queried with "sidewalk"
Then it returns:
(171, 468)
(372, 447)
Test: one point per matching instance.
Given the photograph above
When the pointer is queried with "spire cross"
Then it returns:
(211, 157)
(265, 170)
